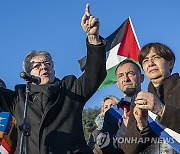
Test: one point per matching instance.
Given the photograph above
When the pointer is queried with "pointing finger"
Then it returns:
(87, 11)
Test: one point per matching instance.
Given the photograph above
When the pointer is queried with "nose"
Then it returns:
(43, 65)
(126, 78)
(151, 62)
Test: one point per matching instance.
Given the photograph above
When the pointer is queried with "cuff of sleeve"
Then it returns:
(144, 131)
(103, 42)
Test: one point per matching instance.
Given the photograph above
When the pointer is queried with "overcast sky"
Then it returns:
(55, 26)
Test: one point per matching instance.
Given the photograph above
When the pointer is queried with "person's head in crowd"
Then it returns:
(40, 64)
(2, 83)
(108, 102)
(157, 61)
(129, 77)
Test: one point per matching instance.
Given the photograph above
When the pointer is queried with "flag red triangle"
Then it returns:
(129, 46)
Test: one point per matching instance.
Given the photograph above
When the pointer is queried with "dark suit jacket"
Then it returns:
(110, 124)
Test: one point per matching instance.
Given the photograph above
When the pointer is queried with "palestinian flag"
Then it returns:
(121, 44)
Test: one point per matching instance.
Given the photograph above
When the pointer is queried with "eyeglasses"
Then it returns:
(38, 65)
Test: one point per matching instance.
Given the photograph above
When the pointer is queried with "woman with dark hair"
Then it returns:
(162, 100)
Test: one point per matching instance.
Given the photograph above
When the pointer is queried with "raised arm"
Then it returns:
(95, 68)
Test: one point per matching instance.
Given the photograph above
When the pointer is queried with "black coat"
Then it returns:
(56, 127)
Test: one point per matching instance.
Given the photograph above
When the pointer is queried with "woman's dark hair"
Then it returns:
(161, 49)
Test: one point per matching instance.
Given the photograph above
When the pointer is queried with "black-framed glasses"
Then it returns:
(38, 65)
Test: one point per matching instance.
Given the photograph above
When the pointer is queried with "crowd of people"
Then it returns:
(140, 122)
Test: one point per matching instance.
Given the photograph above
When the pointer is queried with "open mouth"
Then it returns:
(45, 74)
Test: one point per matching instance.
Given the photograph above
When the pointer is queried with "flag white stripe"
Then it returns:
(113, 59)
(134, 33)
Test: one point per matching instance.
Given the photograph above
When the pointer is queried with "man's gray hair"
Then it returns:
(34, 53)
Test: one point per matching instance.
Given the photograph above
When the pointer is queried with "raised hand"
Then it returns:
(148, 101)
(90, 25)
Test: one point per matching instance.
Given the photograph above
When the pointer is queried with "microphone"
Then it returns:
(30, 78)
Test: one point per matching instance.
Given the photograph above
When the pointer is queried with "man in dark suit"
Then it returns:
(55, 106)
(129, 79)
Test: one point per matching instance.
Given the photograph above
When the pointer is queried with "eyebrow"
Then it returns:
(130, 71)
(152, 56)
(40, 61)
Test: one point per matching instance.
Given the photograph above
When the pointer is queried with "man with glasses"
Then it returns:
(55, 106)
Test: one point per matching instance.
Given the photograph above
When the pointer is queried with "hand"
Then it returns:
(90, 25)
(141, 117)
(148, 101)
(125, 117)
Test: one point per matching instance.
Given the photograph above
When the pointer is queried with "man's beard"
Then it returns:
(130, 91)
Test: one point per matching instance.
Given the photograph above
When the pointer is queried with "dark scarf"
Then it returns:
(45, 94)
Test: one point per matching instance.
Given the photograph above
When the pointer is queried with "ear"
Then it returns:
(117, 84)
(142, 78)
(171, 64)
